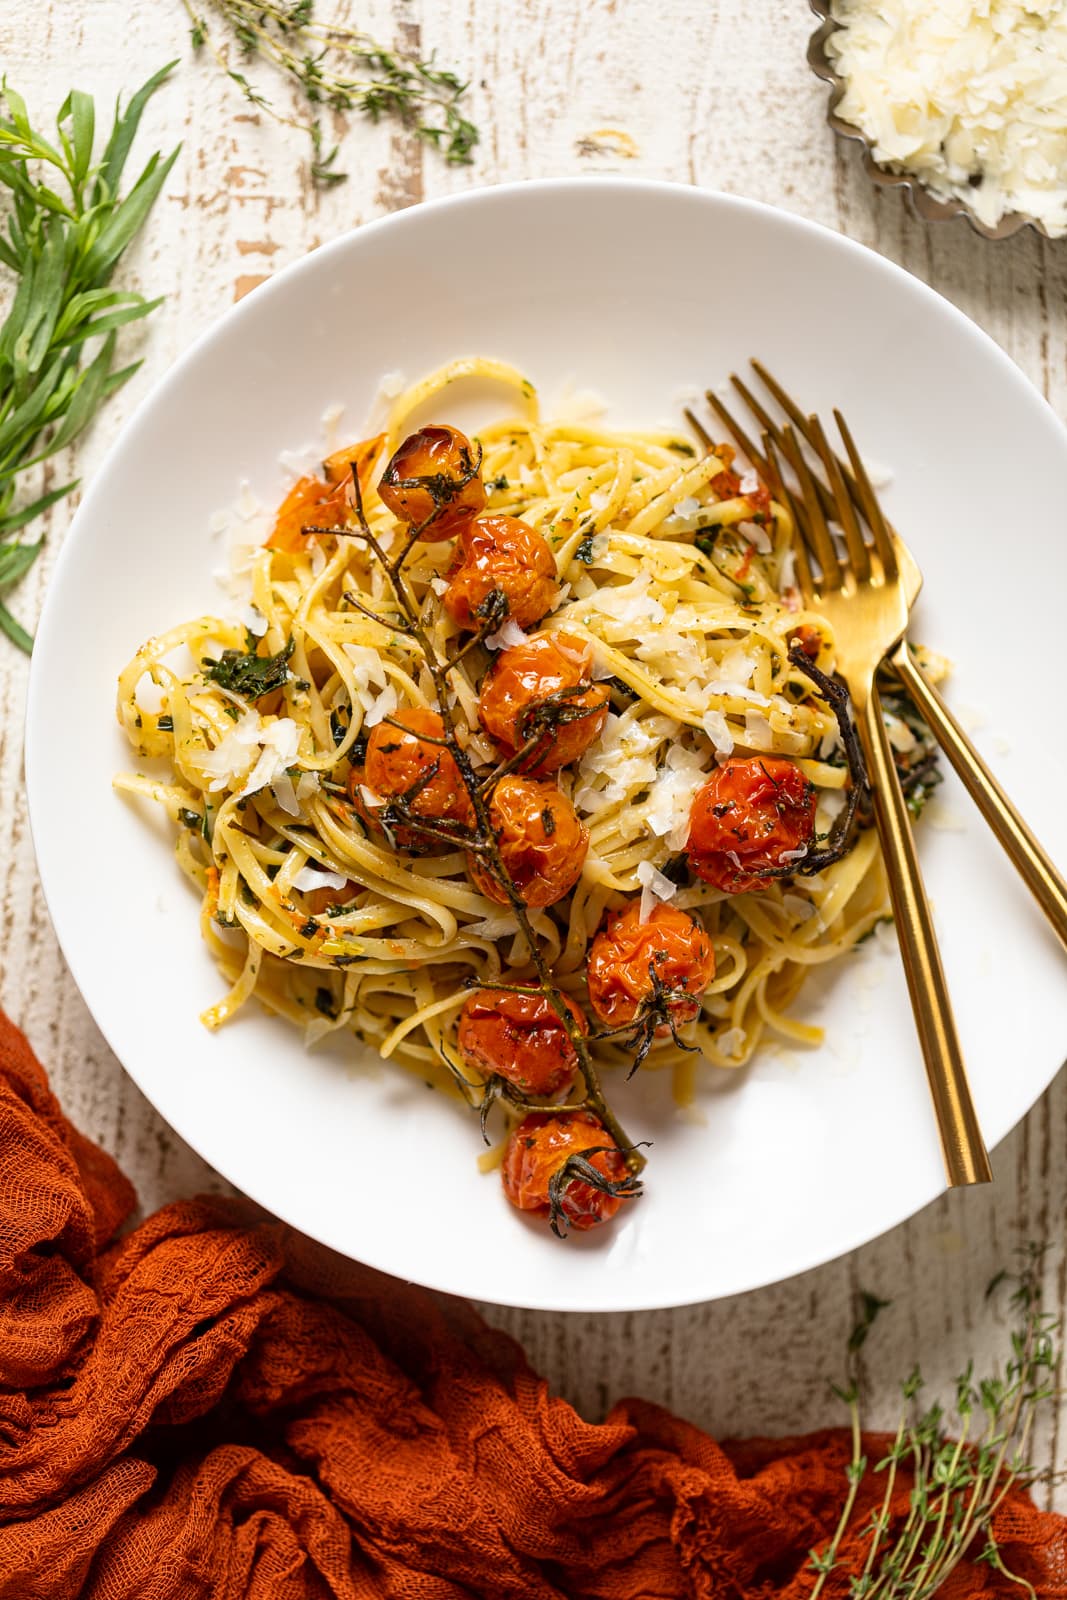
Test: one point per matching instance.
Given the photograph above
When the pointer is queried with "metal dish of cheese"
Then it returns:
(963, 103)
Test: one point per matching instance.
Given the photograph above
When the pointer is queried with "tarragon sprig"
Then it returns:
(957, 1482)
(337, 68)
(66, 231)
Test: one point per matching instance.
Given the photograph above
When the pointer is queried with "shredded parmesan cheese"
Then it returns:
(312, 877)
(969, 95)
(655, 888)
(254, 620)
(284, 792)
(384, 706)
(732, 1043)
(279, 743)
(507, 636)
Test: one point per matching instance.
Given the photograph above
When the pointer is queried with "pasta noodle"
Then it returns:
(675, 574)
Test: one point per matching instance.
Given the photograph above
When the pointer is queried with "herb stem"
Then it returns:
(439, 669)
(957, 1486)
(339, 68)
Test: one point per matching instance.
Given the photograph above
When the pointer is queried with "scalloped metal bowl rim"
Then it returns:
(925, 205)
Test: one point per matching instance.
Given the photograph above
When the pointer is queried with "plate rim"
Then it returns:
(172, 377)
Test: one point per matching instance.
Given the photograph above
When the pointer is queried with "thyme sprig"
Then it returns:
(337, 68)
(480, 839)
(578, 1168)
(67, 229)
(958, 1484)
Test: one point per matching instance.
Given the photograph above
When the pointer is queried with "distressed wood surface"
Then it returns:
(716, 94)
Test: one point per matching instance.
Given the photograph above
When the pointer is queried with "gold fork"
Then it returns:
(866, 595)
(1036, 868)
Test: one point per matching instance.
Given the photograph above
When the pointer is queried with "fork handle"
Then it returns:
(1036, 869)
(966, 1160)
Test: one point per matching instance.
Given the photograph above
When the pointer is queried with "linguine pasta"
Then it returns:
(675, 573)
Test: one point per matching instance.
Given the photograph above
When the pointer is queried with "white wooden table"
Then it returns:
(711, 92)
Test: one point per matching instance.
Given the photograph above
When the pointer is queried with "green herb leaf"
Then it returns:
(66, 230)
(15, 560)
(126, 125)
(15, 631)
(249, 675)
(18, 519)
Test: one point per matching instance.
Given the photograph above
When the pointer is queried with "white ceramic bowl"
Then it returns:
(641, 291)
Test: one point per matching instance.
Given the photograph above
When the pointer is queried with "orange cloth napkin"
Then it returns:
(214, 1407)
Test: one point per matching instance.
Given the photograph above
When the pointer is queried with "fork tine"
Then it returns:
(858, 554)
(776, 482)
(802, 424)
(758, 410)
(813, 526)
(736, 429)
(699, 429)
(883, 538)
(775, 430)
(787, 403)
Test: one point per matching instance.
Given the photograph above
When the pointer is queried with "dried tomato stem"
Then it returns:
(486, 839)
(489, 626)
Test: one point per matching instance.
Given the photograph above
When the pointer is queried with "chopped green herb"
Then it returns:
(620, 686)
(324, 1002)
(165, 724)
(247, 674)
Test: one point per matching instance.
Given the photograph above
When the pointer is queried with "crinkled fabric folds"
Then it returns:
(213, 1408)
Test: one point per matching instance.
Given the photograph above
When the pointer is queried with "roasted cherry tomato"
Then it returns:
(401, 766)
(311, 501)
(337, 468)
(432, 482)
(627, 952)
(807, 638)
(727, 485)
(749, 817)
(541, 842)
(542, 688)
(501, 555)
(521, 1038)
(541, 1145)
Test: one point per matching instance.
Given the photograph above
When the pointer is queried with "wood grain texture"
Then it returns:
(718, 95)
